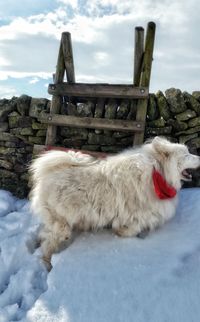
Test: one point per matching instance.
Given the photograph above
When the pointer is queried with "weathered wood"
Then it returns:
(90, 122)
(145, 78)
(38, 149)
(98, 90)
(64, 62)
(56, 100)
(148, 54)
(138, 54)
(68, 56)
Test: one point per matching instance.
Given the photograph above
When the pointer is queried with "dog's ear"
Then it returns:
(162, 146)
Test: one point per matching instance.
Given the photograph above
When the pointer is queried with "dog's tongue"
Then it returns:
(162, 189)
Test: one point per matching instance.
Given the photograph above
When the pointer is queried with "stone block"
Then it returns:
(196, 94)
(152, 111)
(6, 164)
(41, 133)
(23, 104)
(36, 140)
(194, 122)
(158, 131)
(94, 138)
(39, 126)
(3, 126)
(175, 100)
(37, 106)
(157, 123)
(177, 125)
(192, 102)
(186, 115)
(123, 110)
(162, 105)
(185, 138)
(15, 120)
(85, 109)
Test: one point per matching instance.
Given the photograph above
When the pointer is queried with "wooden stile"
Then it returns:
(73, 93)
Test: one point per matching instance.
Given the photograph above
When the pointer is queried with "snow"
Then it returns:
(22, 275)
(101, 277)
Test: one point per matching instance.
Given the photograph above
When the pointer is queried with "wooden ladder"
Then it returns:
(143, 56)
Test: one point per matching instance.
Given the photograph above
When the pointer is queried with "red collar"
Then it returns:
(162, 189)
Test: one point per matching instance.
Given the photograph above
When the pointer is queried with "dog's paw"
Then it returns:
(47, 262)
(143, 234)
(121, 232)
(126, 231)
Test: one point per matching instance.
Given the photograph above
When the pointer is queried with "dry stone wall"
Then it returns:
(173, 114)
(18, 132)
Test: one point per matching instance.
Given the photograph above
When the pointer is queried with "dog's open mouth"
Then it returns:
(186, 175)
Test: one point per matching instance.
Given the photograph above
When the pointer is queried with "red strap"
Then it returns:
(162, 189)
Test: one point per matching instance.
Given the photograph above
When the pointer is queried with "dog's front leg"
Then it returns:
(128, 231)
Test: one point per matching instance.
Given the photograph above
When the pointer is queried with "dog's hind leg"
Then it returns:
(53, 236)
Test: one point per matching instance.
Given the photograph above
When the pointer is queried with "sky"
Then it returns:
(103, 42)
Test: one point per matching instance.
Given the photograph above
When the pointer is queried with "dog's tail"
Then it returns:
(55, 160)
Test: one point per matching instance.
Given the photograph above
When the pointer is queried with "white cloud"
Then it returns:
(102, 58)
(6, 74)
(34, 80)
(4, 61)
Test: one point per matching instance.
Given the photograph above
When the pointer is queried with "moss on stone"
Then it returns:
(157, 123)
(185, 138)
(194, 122)
(175, 100)
(36, 140)
(162, 105)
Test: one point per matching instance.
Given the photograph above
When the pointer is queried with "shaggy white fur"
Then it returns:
(75, 191)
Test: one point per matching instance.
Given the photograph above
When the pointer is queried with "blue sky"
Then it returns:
(103, 38)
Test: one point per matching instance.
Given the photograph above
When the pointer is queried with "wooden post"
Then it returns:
(65, 62)
(56, 100)
(138, 54)
(148, 55)
(68, 56)
(145, 78)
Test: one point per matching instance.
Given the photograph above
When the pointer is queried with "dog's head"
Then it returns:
(175, 160)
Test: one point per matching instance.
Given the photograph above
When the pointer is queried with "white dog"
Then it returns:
(133, 191)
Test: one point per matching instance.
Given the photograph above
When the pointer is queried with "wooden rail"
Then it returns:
(98, 90)
(92, 123)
